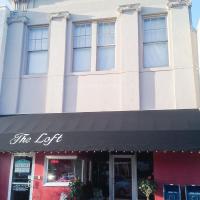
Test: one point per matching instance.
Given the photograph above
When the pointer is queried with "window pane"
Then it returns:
(155, 42)
(45, 44)
(38, 50)
(155, 23)
(38, 39)
(106, 33)
(155, 29)
(31, 45)
(82, 35)
(155, 35)
(61, 170)
(37, 62)
(105, 58)
(82, 59)
(156, 55)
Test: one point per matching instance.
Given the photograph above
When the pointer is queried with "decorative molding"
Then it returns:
(129, 7)
(59, 15)
(17, 17)
(178, 3)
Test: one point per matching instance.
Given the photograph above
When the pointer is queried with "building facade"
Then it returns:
(107, 91)
(198, 40)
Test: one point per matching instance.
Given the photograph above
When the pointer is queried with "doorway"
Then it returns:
(21, 177)
(123, 179)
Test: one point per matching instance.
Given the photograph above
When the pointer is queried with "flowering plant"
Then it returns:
(75, 189)
(147, 187)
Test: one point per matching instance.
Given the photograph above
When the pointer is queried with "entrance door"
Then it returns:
(124, 177)
(21, 177)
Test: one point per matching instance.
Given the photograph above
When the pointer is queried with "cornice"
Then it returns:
(17, 17)
(59, 15)
(129, 8)
(179, 3)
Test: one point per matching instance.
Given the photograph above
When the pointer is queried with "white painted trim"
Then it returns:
(62, 157)
(82, 170)
(93, 66)
(56, 184)
(32, 175)
(134, 175)
(11, 173)
(10, 177)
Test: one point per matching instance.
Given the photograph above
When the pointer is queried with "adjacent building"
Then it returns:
(106, 91)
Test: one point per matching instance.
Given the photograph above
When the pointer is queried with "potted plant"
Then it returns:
(75, 189)
(147, 187)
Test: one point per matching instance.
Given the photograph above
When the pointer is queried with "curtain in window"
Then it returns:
(82, 47)
(38, 50)
(37, 62)
(155, 42)
(106, 46)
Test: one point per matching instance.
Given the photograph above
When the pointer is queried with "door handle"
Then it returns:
(29, 183)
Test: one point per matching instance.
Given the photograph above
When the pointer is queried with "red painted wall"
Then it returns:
(176, 168)
(5, 161)
(41, 192)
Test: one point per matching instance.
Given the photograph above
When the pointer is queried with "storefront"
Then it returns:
(42, 153)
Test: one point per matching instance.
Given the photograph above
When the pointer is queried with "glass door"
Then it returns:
(21, 178)
(123, 178)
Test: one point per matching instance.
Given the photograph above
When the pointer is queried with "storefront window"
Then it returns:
(100, 173)
(62, 170)
(144, 170)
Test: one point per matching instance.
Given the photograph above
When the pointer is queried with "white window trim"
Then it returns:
(31, 154)
(56, 184)
(94, 26)
(141, 25)
(26, 60)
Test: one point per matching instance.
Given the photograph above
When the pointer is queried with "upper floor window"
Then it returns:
(37, 50)
(155, 42)
(97, 55)
(106, 46)
(82, 47)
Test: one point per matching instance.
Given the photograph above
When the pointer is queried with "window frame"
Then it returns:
(105, 45)
(94, 46)
(26, 68)
(57, 184)
(73, 48)
(150, 16)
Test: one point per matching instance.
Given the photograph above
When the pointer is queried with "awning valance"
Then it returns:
(170, 130)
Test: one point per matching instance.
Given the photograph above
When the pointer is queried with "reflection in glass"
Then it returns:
(123, 179)
(61, 170)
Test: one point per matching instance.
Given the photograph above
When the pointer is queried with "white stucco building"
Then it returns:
(131, 82)
(4, 13)
(198, 41)
(104, 90)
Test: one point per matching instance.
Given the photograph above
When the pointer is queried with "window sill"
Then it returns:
(154, 69)
(34, 75)
(57, 184)
(93, 73)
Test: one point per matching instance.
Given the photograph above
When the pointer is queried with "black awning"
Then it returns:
(170, 130)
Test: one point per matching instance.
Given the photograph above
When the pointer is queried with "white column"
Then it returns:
(180, 54)
(57, 55)
(13, 63)
(4, 12)
(128, 53)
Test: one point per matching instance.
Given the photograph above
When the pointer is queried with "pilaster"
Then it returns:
(57, 55)
(13, 62)
(129, 55)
